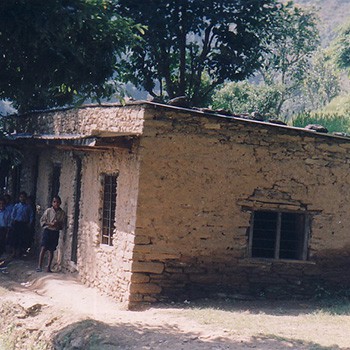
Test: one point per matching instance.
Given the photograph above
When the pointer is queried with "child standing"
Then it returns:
(22, 218)
(8, 203)
(52, 221)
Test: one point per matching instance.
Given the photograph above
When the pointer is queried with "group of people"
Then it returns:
(16, 225)
(17, 228)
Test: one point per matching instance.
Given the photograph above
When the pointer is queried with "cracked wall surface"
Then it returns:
(200, 180)
(187, 186)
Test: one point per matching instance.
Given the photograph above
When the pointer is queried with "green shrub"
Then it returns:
(333, 122)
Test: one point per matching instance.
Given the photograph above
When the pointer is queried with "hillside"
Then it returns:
(333, 14)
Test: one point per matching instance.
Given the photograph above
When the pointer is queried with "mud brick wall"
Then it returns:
(200, 179)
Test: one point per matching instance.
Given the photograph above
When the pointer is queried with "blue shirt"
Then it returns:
(9, 208)
(22, 212)
(5, 218)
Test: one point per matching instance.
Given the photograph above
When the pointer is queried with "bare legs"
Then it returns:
(49, 261)
(41, 259)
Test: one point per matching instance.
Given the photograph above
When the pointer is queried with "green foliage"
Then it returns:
(293, 41)
(243, 97)
(333, 122)
(335, 116)
(322, 80)
(339, 105)
(9, 156)
(288, 50)
(186, 41)
(285, 64)
(52, 52)
(342, 47)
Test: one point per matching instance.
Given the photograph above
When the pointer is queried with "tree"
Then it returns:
(187, 40)
(9, 155)
(244, 97)
(342, 48)
(322, 80)
(53, 51)
(285, 65)
(288, 50)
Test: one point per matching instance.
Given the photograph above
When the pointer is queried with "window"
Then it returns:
(109, 206)
(278, 235)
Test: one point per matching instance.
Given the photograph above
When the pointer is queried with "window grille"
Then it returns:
(279, 235)
(109, 208)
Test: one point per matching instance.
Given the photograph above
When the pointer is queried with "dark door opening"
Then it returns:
(77, 195)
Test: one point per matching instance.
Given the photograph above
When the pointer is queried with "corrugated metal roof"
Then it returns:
(66, 140)
(21, 136)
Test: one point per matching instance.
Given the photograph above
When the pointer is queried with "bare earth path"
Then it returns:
(55, 311)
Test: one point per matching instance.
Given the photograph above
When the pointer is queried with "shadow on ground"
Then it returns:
(21, 275)
(334, 306)
(94, 335)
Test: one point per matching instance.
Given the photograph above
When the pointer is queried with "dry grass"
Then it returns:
(321, 325)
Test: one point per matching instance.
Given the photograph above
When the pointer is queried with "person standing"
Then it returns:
(53, 220)
(5, 222)
(8, 203)
(22, 217)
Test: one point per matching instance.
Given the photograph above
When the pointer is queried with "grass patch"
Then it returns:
(333, 122)
(322, 326)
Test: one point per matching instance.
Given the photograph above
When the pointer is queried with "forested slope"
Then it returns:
(333, 14)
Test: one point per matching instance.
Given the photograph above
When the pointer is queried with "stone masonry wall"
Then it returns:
(47, 159)
(27, 180)
(108, 268)
(200, 178)
(192, 181)
(95, 120)
(99, 265)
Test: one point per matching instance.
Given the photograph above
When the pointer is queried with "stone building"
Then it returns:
(171, 203)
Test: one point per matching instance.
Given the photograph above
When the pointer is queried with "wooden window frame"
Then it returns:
(109, 206)
(303, 252)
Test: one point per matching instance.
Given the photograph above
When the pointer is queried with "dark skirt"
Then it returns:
(50, 239)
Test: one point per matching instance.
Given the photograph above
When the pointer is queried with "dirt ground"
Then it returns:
(55, 311)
